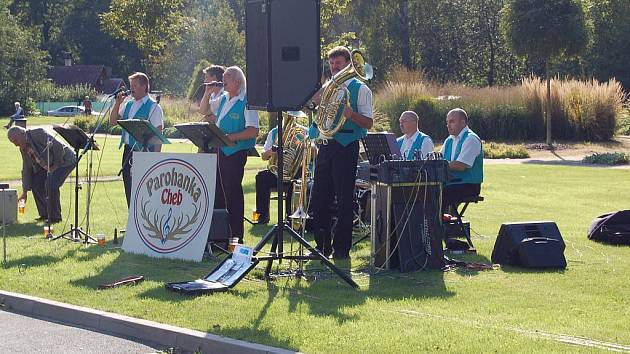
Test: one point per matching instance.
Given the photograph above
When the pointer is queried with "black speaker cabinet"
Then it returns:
(535, 244)
(282, 53)
(405, 227)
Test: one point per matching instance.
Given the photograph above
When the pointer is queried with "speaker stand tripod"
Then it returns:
(277, 231)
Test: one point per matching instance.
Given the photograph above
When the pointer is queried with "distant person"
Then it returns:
(413, 139)
(19, 113)
(37, 160)
(213, 85)
(142, 106)
(464, 152)
(87, 104)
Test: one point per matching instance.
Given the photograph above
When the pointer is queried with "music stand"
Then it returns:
(78, 140)
(143, 131)
(204, 135)
(380, 147)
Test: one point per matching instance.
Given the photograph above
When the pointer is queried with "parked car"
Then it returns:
(70, 111)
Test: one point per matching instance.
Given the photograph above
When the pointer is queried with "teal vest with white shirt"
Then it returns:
(474, 174)
(417, 145)
(350, 131)
(143, 113)
(234, 122)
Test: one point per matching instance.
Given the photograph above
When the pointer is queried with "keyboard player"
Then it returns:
(413, 139)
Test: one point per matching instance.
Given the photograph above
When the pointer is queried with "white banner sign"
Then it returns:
(171, 205)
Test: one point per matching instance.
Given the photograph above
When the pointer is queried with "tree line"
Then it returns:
(448, 40)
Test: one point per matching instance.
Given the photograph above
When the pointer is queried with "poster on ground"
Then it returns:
(171, 204)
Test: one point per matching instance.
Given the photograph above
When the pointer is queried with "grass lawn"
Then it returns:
(505, 310)
(107, 160)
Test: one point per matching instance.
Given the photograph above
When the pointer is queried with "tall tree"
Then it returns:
(545, 29)
(151, 25)
(22, 64)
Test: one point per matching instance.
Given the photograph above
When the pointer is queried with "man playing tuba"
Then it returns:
(336, 163)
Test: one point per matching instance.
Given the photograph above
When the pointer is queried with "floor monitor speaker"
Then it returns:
(535, 244)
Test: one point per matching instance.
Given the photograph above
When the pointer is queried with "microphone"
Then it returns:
(213, 84)
(123, 90)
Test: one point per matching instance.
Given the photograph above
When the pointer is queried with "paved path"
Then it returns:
(23, 334)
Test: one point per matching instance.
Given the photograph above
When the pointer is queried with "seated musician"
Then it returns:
(413, 139)
(465, 155)
(265, 179)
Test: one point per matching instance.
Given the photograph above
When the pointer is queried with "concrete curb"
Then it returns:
(120, 325)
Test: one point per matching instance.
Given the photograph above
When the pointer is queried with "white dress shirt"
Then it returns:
(251, 117)
(269, 141)
(427, 145)
(470, 149)
(156, 115)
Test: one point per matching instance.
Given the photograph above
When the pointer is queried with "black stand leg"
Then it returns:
(276, 232)
(74, 234)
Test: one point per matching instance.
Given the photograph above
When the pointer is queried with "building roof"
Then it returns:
(76, 74)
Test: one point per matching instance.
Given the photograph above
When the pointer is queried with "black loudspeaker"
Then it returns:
(219, 228)
(283, 53)
(536, 244)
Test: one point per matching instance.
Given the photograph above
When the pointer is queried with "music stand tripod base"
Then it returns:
(77, 138)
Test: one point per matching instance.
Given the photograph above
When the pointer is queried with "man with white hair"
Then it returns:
(19, 113)
(42, 155)
(229, 112)
(464, 152)
(413, 139)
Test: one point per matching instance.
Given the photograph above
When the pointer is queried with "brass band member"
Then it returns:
(241, 127)
(42, 153)
(336, 165)
(413, 139)
(141, 107)
(465, 155)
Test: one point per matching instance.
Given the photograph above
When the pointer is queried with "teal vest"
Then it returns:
(470, 175)
(274, 134)
(234, 122)
(417, 145)
(350, 131)
(142, 113)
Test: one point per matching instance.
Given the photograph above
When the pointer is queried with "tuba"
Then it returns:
(293, 143)
(335, 96)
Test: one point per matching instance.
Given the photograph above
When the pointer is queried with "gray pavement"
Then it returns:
(23, 334)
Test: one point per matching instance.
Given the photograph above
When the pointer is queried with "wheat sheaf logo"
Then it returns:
(171, 205)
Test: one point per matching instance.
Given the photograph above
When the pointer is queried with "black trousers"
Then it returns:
(335, 177)
(40, 190)
(126, 171)
(265, 182)
(455, 192)
(229, 190)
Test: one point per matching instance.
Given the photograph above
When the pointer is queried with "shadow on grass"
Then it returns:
(254, 332)
(26, 229)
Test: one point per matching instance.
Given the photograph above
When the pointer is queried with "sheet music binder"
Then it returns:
(75, 136)
(380, 147)
(204, 135)
(143, 131)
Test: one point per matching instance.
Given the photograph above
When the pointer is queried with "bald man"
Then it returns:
(42, 154)
(413, 139)
(464, 152)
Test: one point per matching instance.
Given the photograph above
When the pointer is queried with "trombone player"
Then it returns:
(336, 163)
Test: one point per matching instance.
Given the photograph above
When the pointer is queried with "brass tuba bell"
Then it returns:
(293, 142)
(335, 96)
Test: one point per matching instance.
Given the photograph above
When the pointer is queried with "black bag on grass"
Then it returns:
(611, 228)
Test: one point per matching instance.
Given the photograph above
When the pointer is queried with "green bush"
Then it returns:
(172, 132)
(48, 92)
(194, 93)
(607, 158)
(494, 150)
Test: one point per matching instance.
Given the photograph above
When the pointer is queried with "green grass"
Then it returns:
(41, 120)
(109, 156)
(505, 310)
